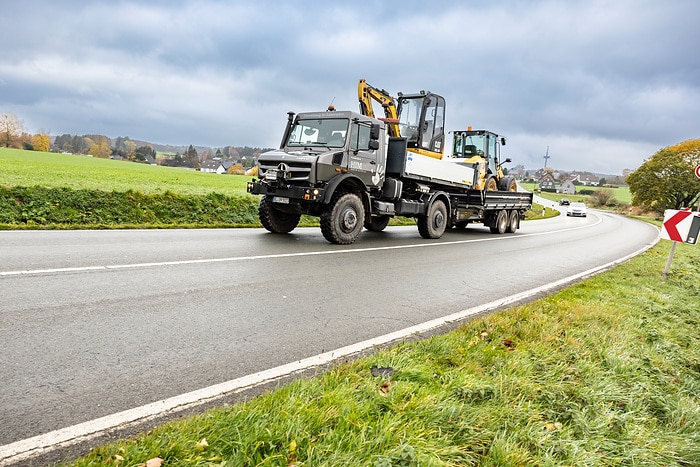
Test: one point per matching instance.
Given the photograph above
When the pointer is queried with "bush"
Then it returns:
(40, 206)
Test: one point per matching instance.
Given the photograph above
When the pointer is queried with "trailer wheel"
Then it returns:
(377, 224)
(274, 220)
(342, 220)
(501, 223)
(513, 221)
(433, 225)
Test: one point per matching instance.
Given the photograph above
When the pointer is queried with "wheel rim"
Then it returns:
(438, 220)
(348, 220)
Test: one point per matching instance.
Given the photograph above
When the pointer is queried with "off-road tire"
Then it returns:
(274, 220)
(491, 184)
(434, 223)
(377, 224)
(343, 219)
(501, 223)
(508, 184)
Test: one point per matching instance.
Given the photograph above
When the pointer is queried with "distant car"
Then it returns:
(576, 210)
(564, 202)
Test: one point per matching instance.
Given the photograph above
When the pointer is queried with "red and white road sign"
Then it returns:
(681, 226)
(697, 171)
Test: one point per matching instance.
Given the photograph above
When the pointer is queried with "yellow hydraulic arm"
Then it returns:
(366, 93)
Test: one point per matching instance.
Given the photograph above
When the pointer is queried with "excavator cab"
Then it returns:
(420, 118)
(422, 122)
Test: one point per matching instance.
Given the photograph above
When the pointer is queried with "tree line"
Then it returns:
(13, 135)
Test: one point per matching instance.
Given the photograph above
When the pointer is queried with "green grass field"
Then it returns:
(52, 170)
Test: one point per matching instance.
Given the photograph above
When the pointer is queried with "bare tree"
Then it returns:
(11, 128)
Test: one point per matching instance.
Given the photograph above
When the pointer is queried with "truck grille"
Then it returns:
(300, 171)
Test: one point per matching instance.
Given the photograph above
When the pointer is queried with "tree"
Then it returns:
(666, 180)
(100, 149)
(11, 129)
(41, 142)
(142, 153)
(191, 158)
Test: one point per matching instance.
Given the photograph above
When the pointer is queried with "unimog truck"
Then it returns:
(346, 169)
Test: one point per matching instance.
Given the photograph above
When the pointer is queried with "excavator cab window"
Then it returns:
(422, 121)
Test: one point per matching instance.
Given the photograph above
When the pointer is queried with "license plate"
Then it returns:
(280, 200)
(271, 174)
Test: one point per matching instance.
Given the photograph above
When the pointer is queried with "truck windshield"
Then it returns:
(329, 132)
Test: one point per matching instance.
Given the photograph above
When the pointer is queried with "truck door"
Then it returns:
(368, 164)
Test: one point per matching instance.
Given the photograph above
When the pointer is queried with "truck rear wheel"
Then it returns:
(343, 219)
(274, 220)
(433, 225)
(513, 221)
(377, 224)
(501, 223)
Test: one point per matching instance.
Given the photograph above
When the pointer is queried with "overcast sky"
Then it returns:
(603, 84)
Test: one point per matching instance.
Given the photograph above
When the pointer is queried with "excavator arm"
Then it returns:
(367, 93)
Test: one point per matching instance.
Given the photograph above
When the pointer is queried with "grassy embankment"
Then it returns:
(47, 190)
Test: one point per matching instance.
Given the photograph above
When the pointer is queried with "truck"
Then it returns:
(348, 170)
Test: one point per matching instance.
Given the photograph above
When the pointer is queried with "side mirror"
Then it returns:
(507, 160)
(374, 132)
(503, 141)
(374, 144)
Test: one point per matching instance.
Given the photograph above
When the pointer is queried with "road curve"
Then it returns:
(97, 323)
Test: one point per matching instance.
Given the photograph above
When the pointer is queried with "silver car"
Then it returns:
(576, 210)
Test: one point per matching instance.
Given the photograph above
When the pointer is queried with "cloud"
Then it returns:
(622, 76)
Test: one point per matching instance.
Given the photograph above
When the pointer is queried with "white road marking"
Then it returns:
(30, 272)
(30, 447)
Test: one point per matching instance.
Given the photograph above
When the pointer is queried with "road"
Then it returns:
(93, 323)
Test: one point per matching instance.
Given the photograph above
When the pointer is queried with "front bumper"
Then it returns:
(284, 193)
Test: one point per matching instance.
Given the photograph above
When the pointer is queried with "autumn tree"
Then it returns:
(11, 129)
(666, 180)
(41, 142)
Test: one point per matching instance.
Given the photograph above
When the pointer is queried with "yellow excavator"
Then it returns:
(420, 118)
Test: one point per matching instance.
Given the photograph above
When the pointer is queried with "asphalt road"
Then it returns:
(97, 322)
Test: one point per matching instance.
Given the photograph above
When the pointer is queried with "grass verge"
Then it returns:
(606, 372)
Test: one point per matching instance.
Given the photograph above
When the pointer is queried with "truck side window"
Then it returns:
(360, 137)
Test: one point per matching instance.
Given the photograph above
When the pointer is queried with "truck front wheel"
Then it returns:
(274, 220)
(343, 219)
(433, 225)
